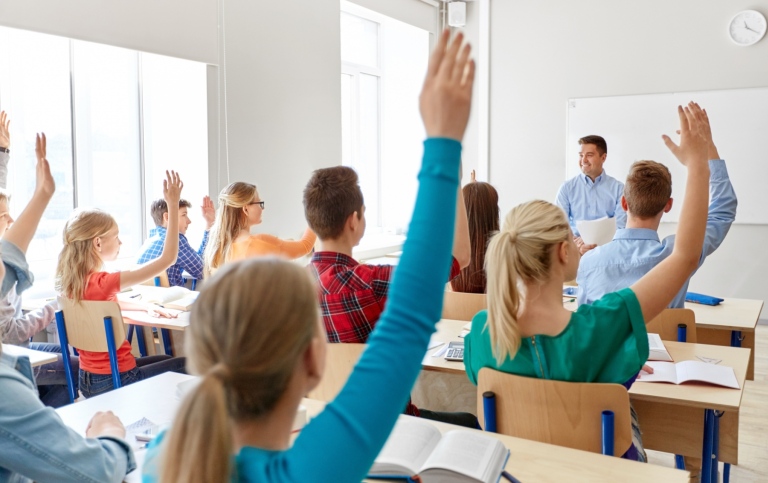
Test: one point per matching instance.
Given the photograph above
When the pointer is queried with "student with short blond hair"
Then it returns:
(527, 331)
(240, 209)
(635, 250)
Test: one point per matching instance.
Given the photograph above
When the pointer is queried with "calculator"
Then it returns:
(455, 351)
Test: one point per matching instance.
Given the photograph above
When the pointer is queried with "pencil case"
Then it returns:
(698, 298)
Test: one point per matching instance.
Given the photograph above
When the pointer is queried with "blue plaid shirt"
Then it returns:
(188, 259)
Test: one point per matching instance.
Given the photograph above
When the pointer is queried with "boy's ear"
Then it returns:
(668, 206)
(165, 218)
(624, 205)
(353, 221)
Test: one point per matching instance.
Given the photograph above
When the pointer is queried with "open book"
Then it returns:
(178, 298)
(597, 232)
(658, 352)
(686, 371)
(417, 448)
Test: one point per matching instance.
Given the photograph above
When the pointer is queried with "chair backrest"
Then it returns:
(85, 323)
(339, 362)
(463, 306)
(665, 324)
(555, 412)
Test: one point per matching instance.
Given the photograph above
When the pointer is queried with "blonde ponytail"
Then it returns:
(249, 328)
(520, 254)
(199, 446)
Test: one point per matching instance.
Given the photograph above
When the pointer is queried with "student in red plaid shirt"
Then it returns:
(353, 295)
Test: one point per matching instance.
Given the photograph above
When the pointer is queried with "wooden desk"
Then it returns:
(36, 358)
(671, 417)
(155, 399)
(534, 461)
(732, 323)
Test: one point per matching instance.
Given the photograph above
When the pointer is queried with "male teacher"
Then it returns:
(592, 194)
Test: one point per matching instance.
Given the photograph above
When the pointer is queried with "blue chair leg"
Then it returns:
(112, 352)
(194, 283)
(64, 342)
(726, 472)
(166, 335)
(707, 453)
(607, 433)
(716, 446)
(157, 281)
(679, 462)
(129, 335)
(141, 341)
(489, 409)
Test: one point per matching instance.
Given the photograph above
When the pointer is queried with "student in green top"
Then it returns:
(527, 331)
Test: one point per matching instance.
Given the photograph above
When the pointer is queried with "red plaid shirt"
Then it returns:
(352, 295)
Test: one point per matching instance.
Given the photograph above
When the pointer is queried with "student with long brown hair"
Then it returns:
(482, 203)
(240, 208)
(257, 341)
(527, 331)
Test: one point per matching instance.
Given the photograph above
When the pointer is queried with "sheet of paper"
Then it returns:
(434, 343)
(441, 351)
(658, 352)
(662, 372)
(597, 232)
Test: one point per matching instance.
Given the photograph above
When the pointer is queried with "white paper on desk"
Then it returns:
(657, 349)
(441, 351)
(597, 232)
(434, 343)
(142, 316)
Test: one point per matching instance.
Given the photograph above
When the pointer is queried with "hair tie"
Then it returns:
(221, 372)
(512, 234)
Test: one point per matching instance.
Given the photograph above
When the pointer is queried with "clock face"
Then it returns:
(747, 27)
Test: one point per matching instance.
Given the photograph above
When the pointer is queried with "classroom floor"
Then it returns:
(753, 424)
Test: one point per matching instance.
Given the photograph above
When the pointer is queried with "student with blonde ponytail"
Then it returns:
(90, 239)
(240, 208)
(527, 331)
(258, 343)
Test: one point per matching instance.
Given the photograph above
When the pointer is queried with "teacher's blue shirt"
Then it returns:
(584, 199)
(635, 251)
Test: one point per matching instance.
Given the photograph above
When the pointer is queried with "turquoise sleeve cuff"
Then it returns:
(442, 157)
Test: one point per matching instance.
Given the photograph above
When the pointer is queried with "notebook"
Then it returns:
(418, 448)
(690, 371)
(178, 298)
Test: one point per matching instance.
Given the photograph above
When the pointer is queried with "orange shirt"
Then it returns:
(105, 286)
(256, 245)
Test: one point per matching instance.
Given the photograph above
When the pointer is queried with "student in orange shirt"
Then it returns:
(240, 208)
(90, 239)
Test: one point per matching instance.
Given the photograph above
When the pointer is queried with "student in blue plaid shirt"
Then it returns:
(189, 259)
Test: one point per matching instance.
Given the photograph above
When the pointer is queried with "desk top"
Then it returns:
(704, 396)
(529, 460)
(36, 358)
(690, 394)
(181, 322)
(534, 461)
(731, 314)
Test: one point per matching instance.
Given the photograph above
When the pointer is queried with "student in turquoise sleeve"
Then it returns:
(258, 343)
(592, 194)
(527, 331)
(635, 250)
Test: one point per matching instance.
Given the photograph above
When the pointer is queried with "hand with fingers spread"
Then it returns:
(446, 97)
(5, 131)
(209, 212)
(172, 186)
(695, 135)
(44, 183)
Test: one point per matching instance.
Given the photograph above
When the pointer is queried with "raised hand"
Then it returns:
(209, 212)
(105, 424)
(695, 135)
(172, 186)
(446, 96)
(5, 132)
(44, 182)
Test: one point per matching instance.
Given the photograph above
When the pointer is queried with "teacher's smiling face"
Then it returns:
(591, 161)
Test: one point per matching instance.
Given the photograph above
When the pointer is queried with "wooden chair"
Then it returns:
(665, 324)
(463, 306)
(340, 360)
(95, 326)
(555, 412)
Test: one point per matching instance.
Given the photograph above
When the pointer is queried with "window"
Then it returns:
(383, 66)
(115, 120)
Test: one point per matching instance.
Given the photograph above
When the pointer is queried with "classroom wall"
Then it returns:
(283, 102)
(543, 53)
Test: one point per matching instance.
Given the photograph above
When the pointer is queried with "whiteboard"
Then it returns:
(632, 127)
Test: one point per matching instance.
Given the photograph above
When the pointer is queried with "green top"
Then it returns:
(603, 342)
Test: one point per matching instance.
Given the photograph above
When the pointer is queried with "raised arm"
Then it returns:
(172, 186)
(657, 288)
(5, 147)
(22, 231)
(381, 381)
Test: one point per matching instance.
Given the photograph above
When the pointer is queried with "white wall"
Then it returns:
(283, 101)
(543, 53)
(179, 28)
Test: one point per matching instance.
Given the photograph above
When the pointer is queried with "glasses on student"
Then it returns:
(260, 203)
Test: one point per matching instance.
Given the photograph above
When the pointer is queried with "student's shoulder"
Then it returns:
(607, 307)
